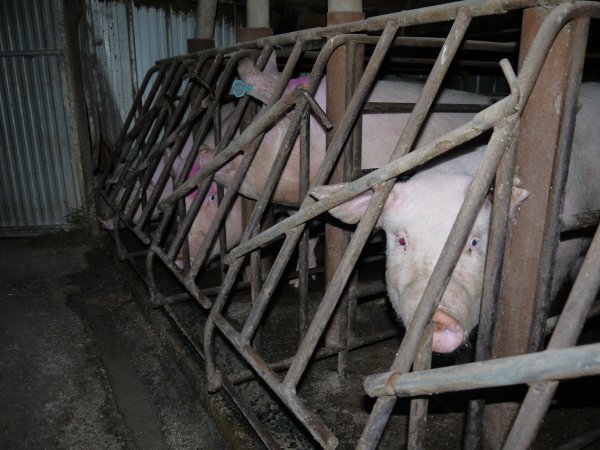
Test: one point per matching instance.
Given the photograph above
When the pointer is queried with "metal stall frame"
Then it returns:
(163, 109)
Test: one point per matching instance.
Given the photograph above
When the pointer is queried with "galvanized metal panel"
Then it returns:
(125, 51)
(110, 41)
(38, 172)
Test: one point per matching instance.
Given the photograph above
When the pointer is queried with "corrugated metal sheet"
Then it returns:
(121, 47)
(38, 174)
(39, 180)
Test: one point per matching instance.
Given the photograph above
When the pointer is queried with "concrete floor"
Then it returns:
(79, 365)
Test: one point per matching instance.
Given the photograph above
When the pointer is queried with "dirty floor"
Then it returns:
(79, 365)
(85, 362)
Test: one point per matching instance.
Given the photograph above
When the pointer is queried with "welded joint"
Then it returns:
(197, 79)
(315, 107)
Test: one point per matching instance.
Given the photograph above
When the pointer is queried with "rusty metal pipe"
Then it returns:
(227, 201)
(324, 170)
(491, 287)
(531, 368)
(309, 419)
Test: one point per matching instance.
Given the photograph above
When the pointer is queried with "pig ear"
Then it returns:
(262, 83)
(519, 195)
(205, 154)
(348, 212)
(271, 67)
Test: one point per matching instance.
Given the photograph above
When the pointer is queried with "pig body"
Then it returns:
(379, 136)
(206, 215)
(419, 214)
(207, 211)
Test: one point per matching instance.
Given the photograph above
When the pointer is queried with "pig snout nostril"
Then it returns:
(447, 333)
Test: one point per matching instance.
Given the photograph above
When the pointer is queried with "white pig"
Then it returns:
(379, 136)
(207, 214)
(419, 214)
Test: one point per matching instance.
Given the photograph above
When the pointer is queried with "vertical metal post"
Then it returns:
(336, 239)
(518, 313)
(205, 27)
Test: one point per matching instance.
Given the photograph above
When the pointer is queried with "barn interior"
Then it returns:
(120, 332)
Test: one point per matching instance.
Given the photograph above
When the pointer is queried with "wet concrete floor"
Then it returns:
(80, 367)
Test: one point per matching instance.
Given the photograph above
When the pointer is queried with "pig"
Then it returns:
(207, 214)
(379, 137)
(233, 223)
(419, 213)
(107, 220)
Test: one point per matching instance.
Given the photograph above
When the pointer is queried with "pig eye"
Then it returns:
(211, 197)
(402, 241)
(474, 244)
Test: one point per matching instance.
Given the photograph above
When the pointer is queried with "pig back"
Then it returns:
(380, 134)
(381, 131)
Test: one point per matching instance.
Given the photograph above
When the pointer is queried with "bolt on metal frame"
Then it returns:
(159, 126)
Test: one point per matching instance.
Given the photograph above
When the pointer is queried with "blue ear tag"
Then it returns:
(239, 88)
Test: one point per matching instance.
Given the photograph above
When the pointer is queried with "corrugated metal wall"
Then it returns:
(39, 184)
(127, 39)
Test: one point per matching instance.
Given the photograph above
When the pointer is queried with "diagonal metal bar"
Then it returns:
(443, 269)
(323, 173)
(441, 274)
(247, 159)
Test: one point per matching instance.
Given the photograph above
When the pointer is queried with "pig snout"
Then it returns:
(447, 333)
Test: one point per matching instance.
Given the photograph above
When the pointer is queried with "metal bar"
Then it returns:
(418, 407)
(326, 165)
(408, 107)
(548, 365)
(578, 304)
(150, 125)
(542, 78)
(282, 258)
(481, 123)
(307, 417)
(121, 147)
(136, 106)
(491, 287)
(419, 16)
(235, 268)
(341, 68)
(405, 356)
(304, 174)
(558, 181)
(246, 410)
(321, 353)
(213, 109)
(182, 135)
(552, 321)
(227, 201)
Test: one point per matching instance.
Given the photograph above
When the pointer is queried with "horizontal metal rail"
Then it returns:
(530, 368)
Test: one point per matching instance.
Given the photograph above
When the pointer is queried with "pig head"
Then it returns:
(418, 215)
(417, 219)
(207, 213)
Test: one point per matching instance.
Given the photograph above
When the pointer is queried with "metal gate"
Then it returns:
(155, 189)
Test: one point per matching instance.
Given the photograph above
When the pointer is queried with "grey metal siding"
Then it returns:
(38, 173)
(125, 48)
